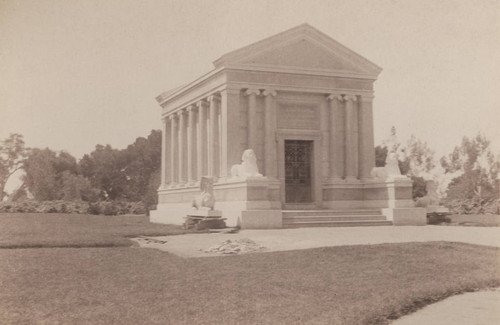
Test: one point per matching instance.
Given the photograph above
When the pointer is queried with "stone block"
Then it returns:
(406, 216)
(261, 219)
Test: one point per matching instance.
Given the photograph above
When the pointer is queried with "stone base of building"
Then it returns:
(255, 203)
(246, 203)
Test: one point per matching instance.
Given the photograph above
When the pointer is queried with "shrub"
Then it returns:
(109, 209)
(473, 206)
(93, 208)
(81, 207)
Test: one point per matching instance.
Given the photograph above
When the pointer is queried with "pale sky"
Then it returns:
(74, 74)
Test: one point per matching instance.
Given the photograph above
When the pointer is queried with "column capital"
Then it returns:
(350, 97)
(171, 116)
(190, 108)
(251, 91)
(213, 98)
(201, 103)
(269, 92)
(337, 96)
(180, 112)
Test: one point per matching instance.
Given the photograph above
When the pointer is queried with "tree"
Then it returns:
(104, 168)
(124, 174)
(143, 159)
(77, 187)
(12, 155)
(380, 156)
(476, 168)
(44, 173)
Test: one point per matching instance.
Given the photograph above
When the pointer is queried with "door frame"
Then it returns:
(316, 190)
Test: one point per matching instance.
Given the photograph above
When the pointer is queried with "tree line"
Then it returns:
(131, 174)
(468, 174)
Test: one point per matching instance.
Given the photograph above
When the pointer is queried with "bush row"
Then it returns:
(473, 206)
(82, 207)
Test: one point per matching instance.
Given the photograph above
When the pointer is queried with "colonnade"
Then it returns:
(204, 138)
(192, 149)
(351, 150)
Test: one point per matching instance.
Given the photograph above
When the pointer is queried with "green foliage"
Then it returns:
(12, 155)
(74, 206)
(54, 176)
(477, 167)
(125, 174)
(77, 187)
(473, 205)
(104, 168)
(380, 156)
(418, 187)
(417, 159)
(150, 199)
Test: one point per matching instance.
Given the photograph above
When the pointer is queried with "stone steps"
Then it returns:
(333, 218)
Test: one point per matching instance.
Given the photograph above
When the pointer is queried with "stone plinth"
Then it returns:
(205, 213)
(406, 216)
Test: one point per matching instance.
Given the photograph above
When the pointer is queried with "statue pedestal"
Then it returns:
(204, 213)
(204, 219)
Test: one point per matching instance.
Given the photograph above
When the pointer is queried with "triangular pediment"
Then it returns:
(300, 49)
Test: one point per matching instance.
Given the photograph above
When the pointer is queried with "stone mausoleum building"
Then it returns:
(304, 104)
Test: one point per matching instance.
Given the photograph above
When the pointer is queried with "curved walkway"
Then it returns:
(193, 245)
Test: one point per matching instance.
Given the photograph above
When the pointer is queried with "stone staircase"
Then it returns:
(333, 218)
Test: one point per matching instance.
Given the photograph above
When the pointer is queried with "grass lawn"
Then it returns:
(131, 285)
(23, 230)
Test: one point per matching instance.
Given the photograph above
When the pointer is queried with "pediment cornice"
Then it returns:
(327, 48)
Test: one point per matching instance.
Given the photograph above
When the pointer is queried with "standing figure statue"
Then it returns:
(206, 199)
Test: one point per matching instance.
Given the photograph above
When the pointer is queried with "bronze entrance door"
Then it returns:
(298, 184)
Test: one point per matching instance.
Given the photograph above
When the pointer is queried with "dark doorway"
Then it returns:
(298, 183)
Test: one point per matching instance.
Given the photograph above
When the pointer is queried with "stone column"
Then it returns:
(191, 145)
(336, 150)
(201, 139)
(366, 137)
(270, 159)
(163, 152)
(173, 149)
(252, 117)
(182, 147)
(213, 145)
(230, 128)
(351, 141)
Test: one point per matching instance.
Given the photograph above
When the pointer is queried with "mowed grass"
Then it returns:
(338, 285)
(23, 230)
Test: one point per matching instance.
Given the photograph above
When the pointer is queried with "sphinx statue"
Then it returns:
(248, 166)
(206, 199)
